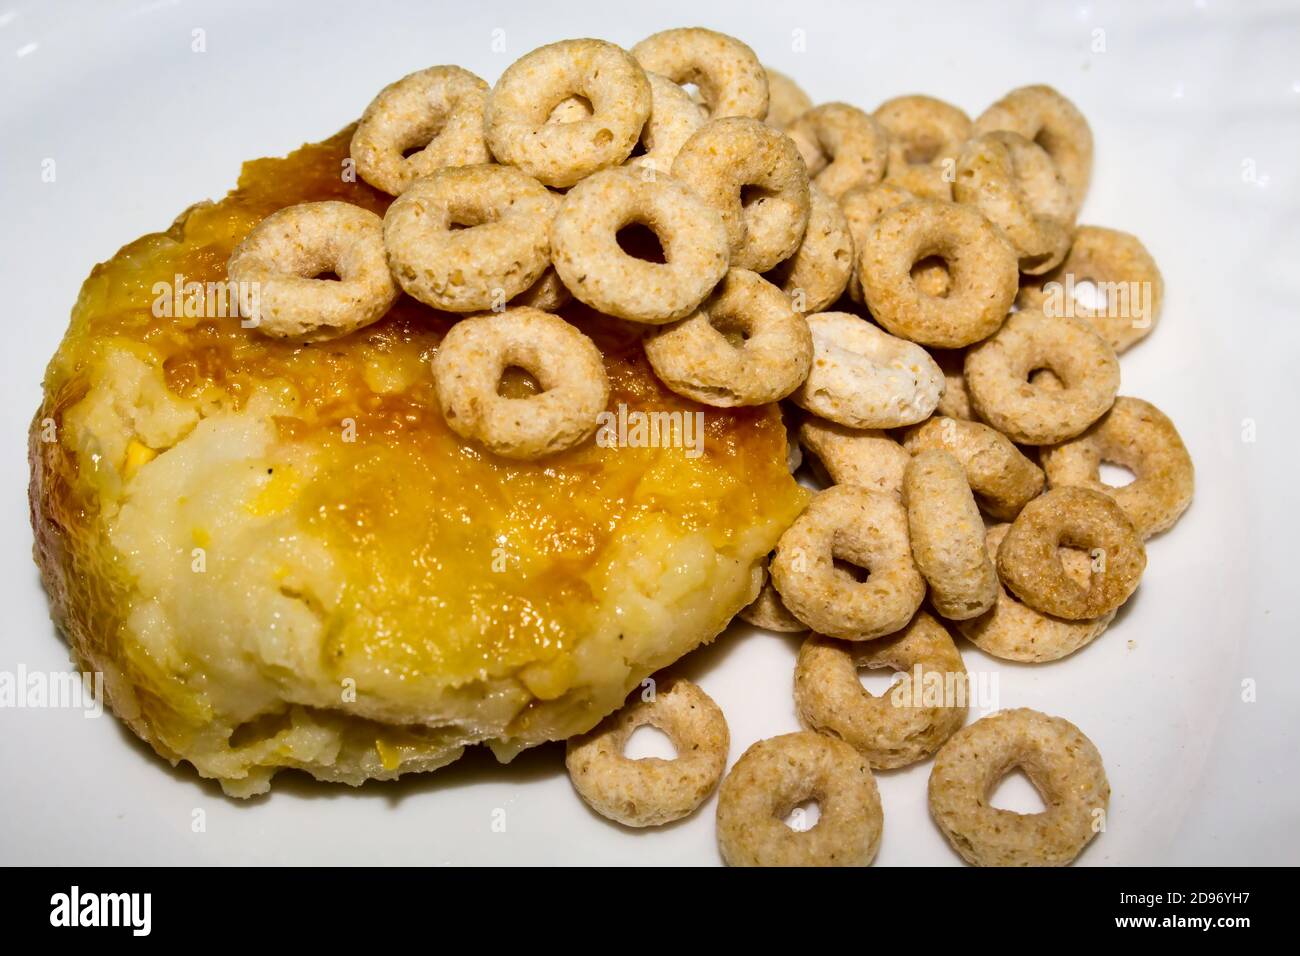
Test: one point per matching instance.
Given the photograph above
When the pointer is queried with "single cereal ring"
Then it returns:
(955, 400)
(1138, 436)
(1002, 478)
(842, 147)
(476, 352)
(867, 458)
(1063, 765)
(773, 777)
(865, 378)
(1029, 560)
(727, 160)
(1017, 186)
(517, 120)
(864, 528)
(548, 293)
(767, 611)
(997, 375)
(815, 276)
(698, 358)
(981, 264)
(1014, 631)
(287, 249)
(786, 101)
(1042, 115)
(651, 791)
(502, 250)
(439, 110)
(727, 73)
(947, 536)
(862, 206)
(901, 726)
(925, 136)
(674, 118)
(1122, 273)
(589, 260)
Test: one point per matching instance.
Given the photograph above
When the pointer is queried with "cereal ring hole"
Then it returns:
(852, 573)
(879, 681)
(1015, 792)
(753, 195)
(517, 382)
(648, 742)
(1089, 295)
(640, 241)
(571, 109)
(803, 816)
(932, 276)
(1115, 475)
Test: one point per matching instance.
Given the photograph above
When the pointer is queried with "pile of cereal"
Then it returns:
(905, 279)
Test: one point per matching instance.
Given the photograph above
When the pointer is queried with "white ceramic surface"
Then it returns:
(1196, 111)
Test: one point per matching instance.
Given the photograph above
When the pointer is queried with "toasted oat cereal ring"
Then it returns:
(773, 777)
(1063, 765)
(476, 352)
(652, 791)
(1029, 560)
(1014, 631)
(439, 110)
(1122, 274)
(861, 527)
(727, 73)
(768, 612)
(862, 206)
(519, 108)
(981, 264)
(744, 345)
(925, 136)
(865, 378)
(997, 374)
(815, 276)
(1138, 436)
(842, 147)
(786, 101)
(1017, 186)
(947, 536)
(955, 400)
(1002, 478)
(674, 118)
(1043, 116)
(548, 293)
(868, 458)
(908, 722)
(502, 249)
(752, 174)
(588, 258)
(289, 248)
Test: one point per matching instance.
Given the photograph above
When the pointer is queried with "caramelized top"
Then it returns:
(458, 565)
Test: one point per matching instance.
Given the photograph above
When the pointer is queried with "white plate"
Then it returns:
(1194, 107)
